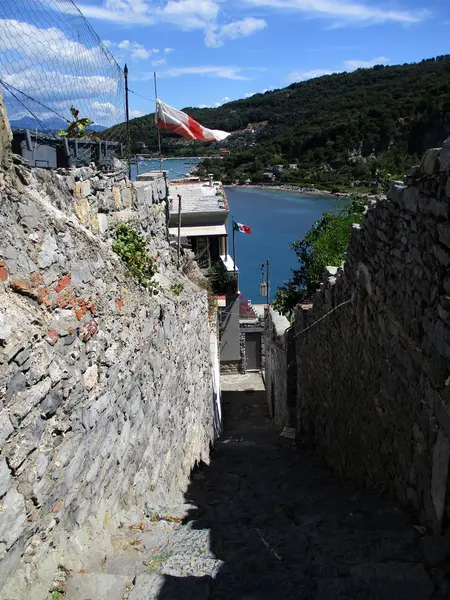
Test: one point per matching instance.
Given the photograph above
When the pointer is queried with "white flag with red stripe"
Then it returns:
(168, 117)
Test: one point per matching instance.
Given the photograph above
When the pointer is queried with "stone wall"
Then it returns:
(106, 396)
(280, 369)
(374, 374)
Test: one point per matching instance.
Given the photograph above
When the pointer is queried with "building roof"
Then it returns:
(199, 231)
(198, 197)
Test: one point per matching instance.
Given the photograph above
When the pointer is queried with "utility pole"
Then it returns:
(268, 282)
(127, 110)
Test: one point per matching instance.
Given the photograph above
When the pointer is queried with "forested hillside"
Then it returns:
(361, 126)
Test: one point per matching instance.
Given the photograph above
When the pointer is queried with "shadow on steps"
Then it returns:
(284, 528)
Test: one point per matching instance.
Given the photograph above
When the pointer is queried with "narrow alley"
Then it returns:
(265, 521)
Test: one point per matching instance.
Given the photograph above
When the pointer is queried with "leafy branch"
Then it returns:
(77, 127)
(131, 247)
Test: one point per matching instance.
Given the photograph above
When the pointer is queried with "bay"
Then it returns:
(276, 219)
(177, 168)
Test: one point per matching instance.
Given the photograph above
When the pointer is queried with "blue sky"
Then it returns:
(207, 52)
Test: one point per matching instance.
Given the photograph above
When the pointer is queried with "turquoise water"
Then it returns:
(176, 167)
(277, 219)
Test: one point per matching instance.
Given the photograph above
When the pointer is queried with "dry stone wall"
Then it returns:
(105, 391)
(280, 369)
(374, 374)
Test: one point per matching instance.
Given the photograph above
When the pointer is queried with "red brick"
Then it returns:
(62, 283)
(119, 303)
(52, 337)
(80, 313)
(3, 274)
(36, 279)
(42, 297)
(21, 287)
(88, 330)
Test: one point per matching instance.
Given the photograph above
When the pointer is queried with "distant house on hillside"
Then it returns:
(293, 166)
(224, 151)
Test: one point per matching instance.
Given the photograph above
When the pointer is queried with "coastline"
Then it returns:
(291, 188)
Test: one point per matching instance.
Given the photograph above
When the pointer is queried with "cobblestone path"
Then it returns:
(264, 521)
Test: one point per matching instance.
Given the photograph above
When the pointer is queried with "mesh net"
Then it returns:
(50, 60)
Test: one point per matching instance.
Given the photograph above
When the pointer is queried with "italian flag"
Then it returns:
(241, 228)
(168, 117)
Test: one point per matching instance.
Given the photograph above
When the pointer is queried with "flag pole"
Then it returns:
(157, 128)
(234, 245)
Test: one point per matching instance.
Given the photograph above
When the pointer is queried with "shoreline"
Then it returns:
(290, 188)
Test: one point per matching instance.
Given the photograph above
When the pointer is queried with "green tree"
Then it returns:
(323, 245)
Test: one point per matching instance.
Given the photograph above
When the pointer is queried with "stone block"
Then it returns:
(98, 586)
(445, 157)
(6, 428)
(442, 254)
(25, 441)
(444, 233)
(5, 477)
(430, 161)
(439, 474)
(411, 196)
(23, 402)
(13, 517)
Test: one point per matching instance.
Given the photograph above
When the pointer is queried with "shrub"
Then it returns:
(131, 247)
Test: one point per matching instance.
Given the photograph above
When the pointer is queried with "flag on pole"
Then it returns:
(241, 228)
(168, 117)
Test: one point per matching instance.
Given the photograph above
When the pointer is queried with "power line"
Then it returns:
(141, 96)
(34, 100)
(22, 104)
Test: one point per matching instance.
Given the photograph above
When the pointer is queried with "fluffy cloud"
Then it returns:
(216, 36)
(168, 50)
(136, 113)
(235, 73)
(348, 65)
(186, 15)
(346, 11)
(24, 41)
(127, 49)
(159, 62)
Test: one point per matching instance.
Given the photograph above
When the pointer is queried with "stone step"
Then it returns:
(166, 587)
(97, 586)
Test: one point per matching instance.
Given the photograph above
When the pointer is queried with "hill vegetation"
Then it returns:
(338, 130)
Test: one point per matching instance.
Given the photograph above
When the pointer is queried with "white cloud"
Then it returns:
(136, 113)
(21, 38)
(159, 62)
(351, 65)
(129, 49)
(249, 94)
(168, 50)
(216, 36)
(347, 11)
(186, 15)
(104, 109)
(221, 72)
(348, 65)
(222, 101)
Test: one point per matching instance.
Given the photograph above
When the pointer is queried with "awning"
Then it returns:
(199, 231)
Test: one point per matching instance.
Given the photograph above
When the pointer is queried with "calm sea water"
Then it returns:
(277, 219)
(176, 167)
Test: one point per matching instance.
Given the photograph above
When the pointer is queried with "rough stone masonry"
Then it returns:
(105, 391)
(374, 374)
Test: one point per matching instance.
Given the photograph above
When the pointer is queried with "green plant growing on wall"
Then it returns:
(324, 244)
(131, 247)
(177, 289)
(77, 127)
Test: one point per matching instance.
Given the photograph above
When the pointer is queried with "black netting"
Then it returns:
(50, 60)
